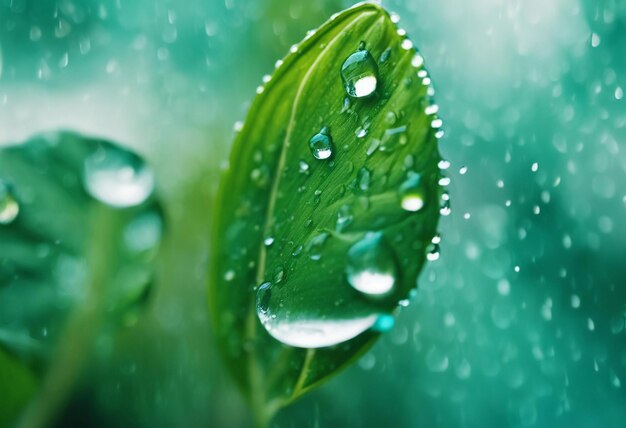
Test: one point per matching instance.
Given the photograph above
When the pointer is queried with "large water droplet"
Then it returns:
(118, 178)
(412, 193)
(321, 144)
(9, 208)
(310, 333)
(371, 267)
(359, 74)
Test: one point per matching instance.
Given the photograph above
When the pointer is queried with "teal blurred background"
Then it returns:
(519, 323)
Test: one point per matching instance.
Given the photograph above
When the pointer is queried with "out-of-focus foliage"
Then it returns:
(521, 320)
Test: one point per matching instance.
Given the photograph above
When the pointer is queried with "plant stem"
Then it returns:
(83, 324)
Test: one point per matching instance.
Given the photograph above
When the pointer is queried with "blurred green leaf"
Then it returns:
(17, 385)
(328, 208)
(79, 230)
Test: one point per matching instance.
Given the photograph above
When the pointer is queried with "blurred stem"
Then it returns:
(83, 324)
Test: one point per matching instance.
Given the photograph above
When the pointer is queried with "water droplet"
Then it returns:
(411, 193)
(417, 61)
(431, 109)
(9, 207)
(433, 252)
(391, 118)
(364, 178)
(263, 296)
(393, 137)
(144, 232)
(344, 218)
(406, 44)
(321, 144)
(118, 178)
(268, 241)
(360, 132)
(371, 267)
(436, 360)
(229, 275)
(384, 56)
(359, 74)
(384, 323)
(374, 143)
(303, 167)
(315, 244)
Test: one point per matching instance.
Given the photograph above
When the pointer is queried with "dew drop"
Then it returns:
(437, 360)
(9, 207)
(321, 144)
(392, 138)
(384, 57)
(433, 252)
(364, 178)
(118, 178)
(371, 267)
(344, 218)
(303, 167)
(359, 74)
(411, 193)
(384, 323)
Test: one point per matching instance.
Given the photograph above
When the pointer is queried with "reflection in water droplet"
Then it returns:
(412, 193)
(321, 144)
(359, 74)
(118, 178)
(9, 208)
(371, 267)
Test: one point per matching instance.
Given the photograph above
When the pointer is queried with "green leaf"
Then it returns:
(17, 386)
(328, 208)
(79, 231)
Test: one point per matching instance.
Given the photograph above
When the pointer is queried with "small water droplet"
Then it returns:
(384, 56)
(268, 241)
(364, 178)
(359, 74)
(303, 167)
(371, 267)
(315, 244)
(321, 144)
(263, 296)
(392, 138)
(436, 360)
(433, 252)
(411, 193)
(384, 323)
(117, 178)
(344, 218)
(406, 44)
(9, 207)
(229, 275)
(417, 61)
(360, 132)
(391, 118)
(373, 146)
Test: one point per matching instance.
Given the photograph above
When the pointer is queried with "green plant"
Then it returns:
(328, 209)
(79, 227)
